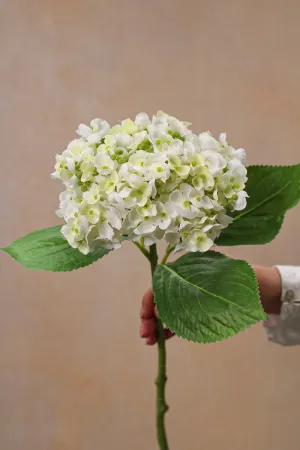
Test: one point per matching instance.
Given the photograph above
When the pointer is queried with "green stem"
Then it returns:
(153, 257)
(143, 250)
(161, 406)
(169, 250)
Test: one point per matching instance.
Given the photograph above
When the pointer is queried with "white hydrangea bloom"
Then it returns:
(148, 179)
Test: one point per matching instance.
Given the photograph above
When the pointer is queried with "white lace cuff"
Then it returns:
(284, 329)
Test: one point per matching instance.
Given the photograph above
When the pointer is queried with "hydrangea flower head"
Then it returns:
(148, 179)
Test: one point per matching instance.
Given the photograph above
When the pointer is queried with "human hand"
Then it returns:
(149, 316)
(269, 283)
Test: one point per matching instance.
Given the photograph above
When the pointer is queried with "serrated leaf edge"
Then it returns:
(230, 333)
(6, 250)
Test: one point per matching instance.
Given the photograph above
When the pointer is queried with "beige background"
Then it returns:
(74, 374)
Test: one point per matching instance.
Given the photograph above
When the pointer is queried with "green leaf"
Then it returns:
(272, 191)
(207, 297)
(47, 250)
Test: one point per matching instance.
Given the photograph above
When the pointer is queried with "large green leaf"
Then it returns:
(207, 297)
(272, 191)
(47, 250)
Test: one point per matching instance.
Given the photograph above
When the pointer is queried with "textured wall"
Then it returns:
(74, 374)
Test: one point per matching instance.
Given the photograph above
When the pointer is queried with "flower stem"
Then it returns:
(161, 406)
(153, 258)
(143, 250)
(169, 250)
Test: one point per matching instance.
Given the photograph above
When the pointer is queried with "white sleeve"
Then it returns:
(284, 329)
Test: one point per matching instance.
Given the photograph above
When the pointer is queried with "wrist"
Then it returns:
(270, 288)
